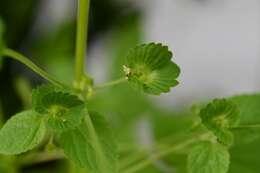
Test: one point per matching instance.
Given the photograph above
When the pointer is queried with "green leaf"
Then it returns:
(248, 129)
(21, 133)
(245, 157)
(249, 106)
(207, 157)
(64, 111)
(45, 95)
(150, 69)
(219, 116)
(80, 147)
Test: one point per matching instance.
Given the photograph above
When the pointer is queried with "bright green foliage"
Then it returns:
(21, 133)
(64, 111)
(80, 147)
(219, 116)
(207, 157)
(150, 69)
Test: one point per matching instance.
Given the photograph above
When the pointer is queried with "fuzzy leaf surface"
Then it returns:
(21, 133)
(150, 69)
(207, 157)
(219, 116)
(64, 110)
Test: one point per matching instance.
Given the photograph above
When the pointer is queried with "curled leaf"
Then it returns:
(64, 110)
(149, 68)
(219, 116)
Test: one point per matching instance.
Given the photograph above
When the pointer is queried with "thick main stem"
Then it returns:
(81, 38)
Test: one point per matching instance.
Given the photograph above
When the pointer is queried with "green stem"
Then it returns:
(124, 163)
(247, 126)
(103, 164)
(81, 39)
(143, 164)
(109, 84)
(40, 157)
(24, 60)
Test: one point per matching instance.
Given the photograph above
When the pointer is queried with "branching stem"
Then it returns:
(112, 83)
(150, 160)
(26, 61)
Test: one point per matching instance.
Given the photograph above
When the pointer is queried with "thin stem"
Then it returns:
(24, 60)
(157, 156)
(109, 84)
(81, 39)
(247, 126)
(96, 143)
(132, 159)
(40, 157)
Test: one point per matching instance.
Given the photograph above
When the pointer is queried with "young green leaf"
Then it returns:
(219, 116)
(150, 69)
(21, 133)
(64, 111)
(79, 146)
(207, 157)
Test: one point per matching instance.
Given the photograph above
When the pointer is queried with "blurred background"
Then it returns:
(215, 42)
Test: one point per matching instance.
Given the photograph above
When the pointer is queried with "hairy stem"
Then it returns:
(81, 38)
(112, 83)
(24, 60)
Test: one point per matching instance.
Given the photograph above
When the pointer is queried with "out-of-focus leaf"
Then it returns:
(249, 106)
(245, 157)
(208, 157)
(219, 117)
